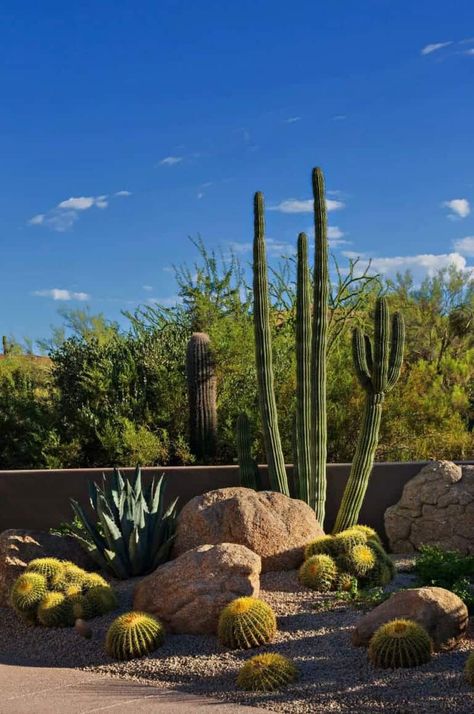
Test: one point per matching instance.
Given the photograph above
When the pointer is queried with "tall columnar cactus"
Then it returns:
(317, 496)
(303, 441)
(201, 376)
(378, 370)
(263, 353)
(248, 469)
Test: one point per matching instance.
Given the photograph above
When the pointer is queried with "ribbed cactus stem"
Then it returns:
(317, 497)
(263, 354)
(377, 376)
(201, 378)
(248, 469)
(302, 457)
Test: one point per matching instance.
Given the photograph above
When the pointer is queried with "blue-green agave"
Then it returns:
(134, 532)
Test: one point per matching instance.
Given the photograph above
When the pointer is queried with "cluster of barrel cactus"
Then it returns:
(354, 557)
(55, 593)
(134, 634)
(377, 365)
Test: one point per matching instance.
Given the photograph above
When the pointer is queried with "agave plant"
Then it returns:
(134, 532)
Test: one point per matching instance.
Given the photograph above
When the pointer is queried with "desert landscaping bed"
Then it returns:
(313, 630)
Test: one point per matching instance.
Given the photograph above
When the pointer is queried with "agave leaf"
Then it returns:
(92, 489)
(162, 554)
(92, 550)
(113, 536)
(95, 536)
(116, 565)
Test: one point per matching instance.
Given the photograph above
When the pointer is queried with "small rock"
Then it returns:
(272, 525)
(442, 613)
(188, 594)
(83, 629)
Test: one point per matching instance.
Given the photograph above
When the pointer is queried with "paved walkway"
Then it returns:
(43, 690)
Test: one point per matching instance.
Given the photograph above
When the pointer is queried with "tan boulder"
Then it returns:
(436, 508)
(442, 613)
(272, 525)
(18, 547)
(187, 594)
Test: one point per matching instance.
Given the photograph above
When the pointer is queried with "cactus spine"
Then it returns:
(248, 469)
(319, 348)
(201, 376)
(302, 456)
(377, 375)
(263, 353)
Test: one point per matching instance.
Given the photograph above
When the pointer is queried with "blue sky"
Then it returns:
(126, 127)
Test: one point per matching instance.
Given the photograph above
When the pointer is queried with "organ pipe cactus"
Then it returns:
(264, 357)
(303, 441)
(248, 469)
(378, 369)
(201, 377)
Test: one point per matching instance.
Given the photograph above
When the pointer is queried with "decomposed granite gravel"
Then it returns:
(335, 676)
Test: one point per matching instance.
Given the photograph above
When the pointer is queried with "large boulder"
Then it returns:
(18, 547)
(272, 525)
(436, 508)
(442, 613)
(188, 593)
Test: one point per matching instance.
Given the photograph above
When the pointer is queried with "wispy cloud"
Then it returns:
(147, 288)
(420, 266)
(275, 248)
(470, 52)
(292, 120)
(294, 205)
(459, 208)
(62, 294)
(434, 47)
(66, 213)
(465, 246)
(171, 160)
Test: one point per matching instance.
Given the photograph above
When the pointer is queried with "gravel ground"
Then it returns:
(335, 676)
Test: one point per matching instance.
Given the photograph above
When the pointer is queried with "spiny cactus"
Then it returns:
(134, 634)
(400, 643)
(246, 622)
(319, 347)
(345, 582)
(80, 605)
(27, 592)
(324, 545)
(51, 568)
(319, 572)
(55, 610)
(346, 540)
(201, 377)
(303, 427)
(371, 533)
(263, 355)
(267, 673)
(384, 569)
(101, 599)
(378, 370)
(469, 669)
(94, 580)
(248, 469)
(359, 560)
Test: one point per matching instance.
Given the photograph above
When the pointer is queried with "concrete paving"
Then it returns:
(44, 690)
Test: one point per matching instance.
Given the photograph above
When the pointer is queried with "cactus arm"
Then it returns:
(361, 468)
(381, 345)
(263, 354)
(359, 354)
(303, 372)
(396, 350)
(368, 354)
(319, 348)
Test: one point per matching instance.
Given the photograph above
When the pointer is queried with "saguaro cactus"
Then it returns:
(263, 354)
(248, 469)
(378, 371)
(317, 496)
(302, 438)
(201, 376)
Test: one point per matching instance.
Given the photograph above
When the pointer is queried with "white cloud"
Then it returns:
(82, 203)
(421, 266)
(294, 205)
(465, 246)
(37, 220)
(61, 294)
(434, 47)
(171, 160)
(123, 193)
(292, 120)
(275, 248)
(61, 221)
(459, 207)
(335, 232)
(470, 52)
(148, 288)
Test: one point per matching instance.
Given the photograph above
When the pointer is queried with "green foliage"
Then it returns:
(27, 592)
(436, 566)
(246, 622)
(249, 476)
(267, 673)
(400, 643)
(319, 572)
(133, 634)
(469, 669)
(134, 531)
